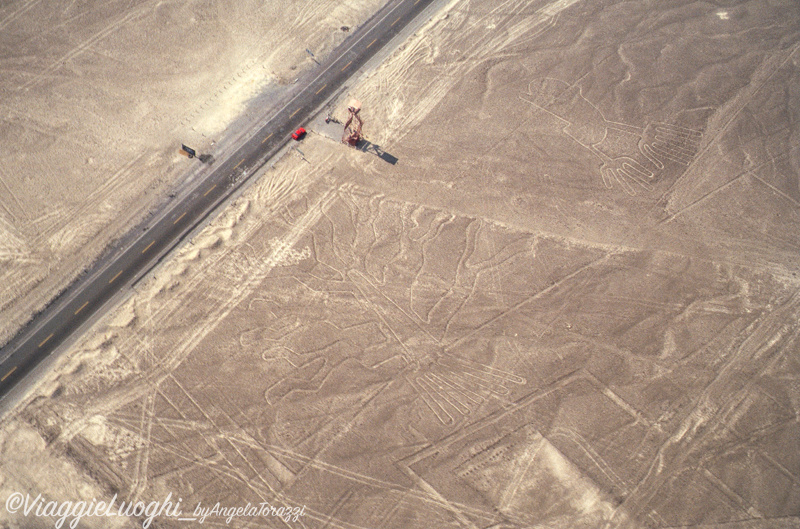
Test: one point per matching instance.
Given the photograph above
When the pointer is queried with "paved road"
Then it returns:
(86, 297)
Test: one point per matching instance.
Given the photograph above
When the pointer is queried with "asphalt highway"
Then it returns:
(91, 294)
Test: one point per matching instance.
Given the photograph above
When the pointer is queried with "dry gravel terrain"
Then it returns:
(96, 99)
(573, 302)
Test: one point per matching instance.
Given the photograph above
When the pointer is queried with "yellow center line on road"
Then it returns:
(82, 307)
(268, 137)
(415, 3)
(346, 66)
(46, 339)
(321, 89)
(371, 43)
(210, 189)
(8, 374)
(398, 20)
(240, 163)
(179, 218)
(148, 246)
(113, 278)
(293, 113)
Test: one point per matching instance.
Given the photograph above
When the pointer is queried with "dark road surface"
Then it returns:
(84, 298)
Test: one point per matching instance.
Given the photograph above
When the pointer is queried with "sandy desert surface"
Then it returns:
(96, 99)
(572, 303)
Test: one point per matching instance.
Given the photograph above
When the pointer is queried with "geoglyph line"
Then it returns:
(83, 46)
(27, 6)
(119, 396)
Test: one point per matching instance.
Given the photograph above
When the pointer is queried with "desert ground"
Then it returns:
(573, 302)
(96, 99)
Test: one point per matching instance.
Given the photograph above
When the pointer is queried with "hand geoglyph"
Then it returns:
(659, 144)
